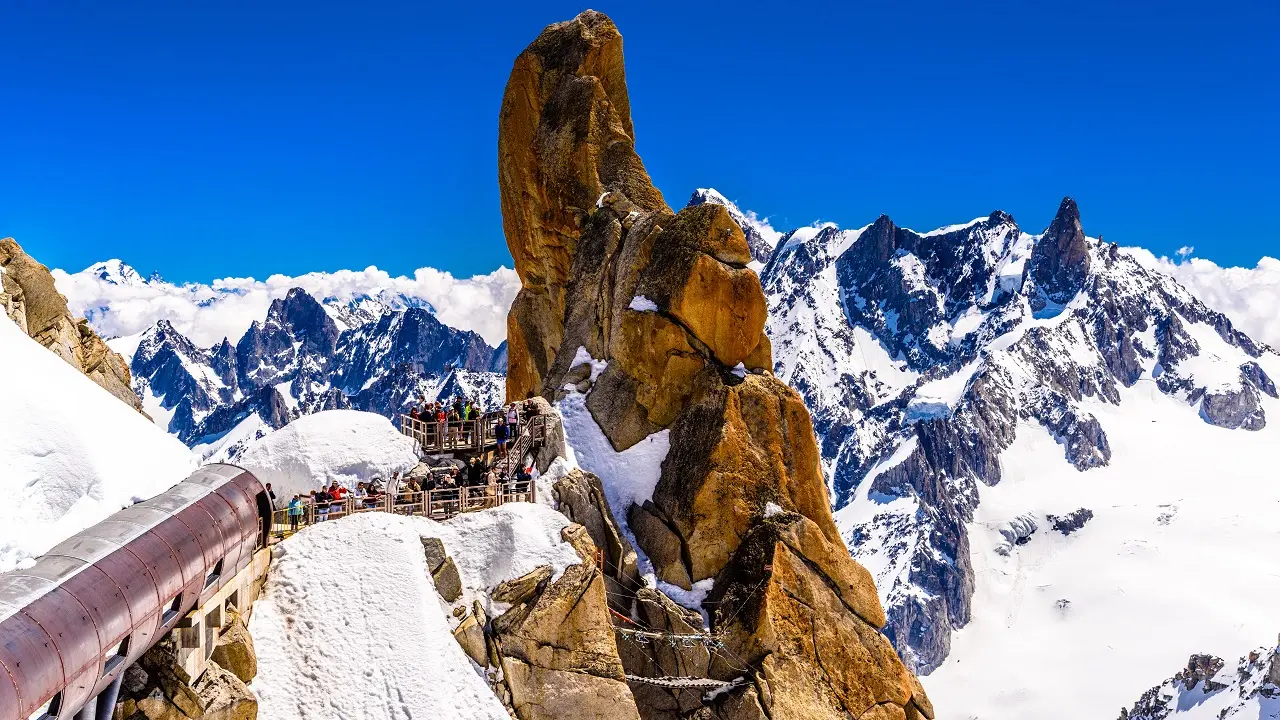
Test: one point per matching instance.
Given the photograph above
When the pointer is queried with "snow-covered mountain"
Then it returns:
(72, 452)
(120, 302)
(1210, 689)
(299, 360)
(1028, 438)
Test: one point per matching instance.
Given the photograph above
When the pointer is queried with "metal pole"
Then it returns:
(108, 697)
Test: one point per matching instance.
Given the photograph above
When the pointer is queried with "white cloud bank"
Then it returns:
(1249, 296)
(121, 303)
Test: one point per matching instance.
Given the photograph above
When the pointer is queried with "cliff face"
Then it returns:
(29, 298)
(667, 301)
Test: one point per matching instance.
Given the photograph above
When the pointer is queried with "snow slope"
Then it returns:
(350, 626)
(1179, 557)
(72, 453)
(343, 445)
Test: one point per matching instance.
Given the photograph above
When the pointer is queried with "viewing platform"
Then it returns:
(452, 438)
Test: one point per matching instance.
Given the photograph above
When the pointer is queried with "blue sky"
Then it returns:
(204, 139)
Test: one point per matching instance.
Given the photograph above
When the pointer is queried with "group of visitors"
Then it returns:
(453, 420)
(485, 477)
(332, 499)
(320, 505)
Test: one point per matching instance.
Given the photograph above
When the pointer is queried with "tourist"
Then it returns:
(475, 473)
(455, 424)
(295, 513)
(524, 474)
(500, 434)
(513, 419)
(320, 501)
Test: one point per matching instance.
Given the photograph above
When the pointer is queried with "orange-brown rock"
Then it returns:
(735, 449)
(557, 650)
(29, 298)
(565, 137)
(796, 617)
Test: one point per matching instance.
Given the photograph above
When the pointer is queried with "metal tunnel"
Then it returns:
(92, 605)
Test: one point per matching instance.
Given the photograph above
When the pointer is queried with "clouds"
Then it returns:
(119, 303)
(1249, 296)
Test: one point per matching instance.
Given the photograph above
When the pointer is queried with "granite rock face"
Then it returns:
(29, 298)
(657, 319)
(1060, 261)
(552, 653)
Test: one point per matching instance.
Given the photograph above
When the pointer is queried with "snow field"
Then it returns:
(1178, 559)
(73, 453)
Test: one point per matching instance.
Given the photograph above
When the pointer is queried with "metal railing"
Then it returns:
(450, 435)
(438, 504)
(477, 435)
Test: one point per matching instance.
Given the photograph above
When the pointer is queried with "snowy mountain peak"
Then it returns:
(296, 362)
(116, 272)
(1210, 688)
(925, 357)
(1060, 260)
(761, 237)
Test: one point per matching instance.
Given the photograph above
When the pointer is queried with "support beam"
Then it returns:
(108, 697)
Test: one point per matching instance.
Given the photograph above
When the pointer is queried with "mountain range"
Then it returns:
(1022, 435)
(306, 355)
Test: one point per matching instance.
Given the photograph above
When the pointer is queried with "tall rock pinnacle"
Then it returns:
(667, 302)
(1059, 262)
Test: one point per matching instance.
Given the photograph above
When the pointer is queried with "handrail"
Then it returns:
(437, 504)
(434, 436)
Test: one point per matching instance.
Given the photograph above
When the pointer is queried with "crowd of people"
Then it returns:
(453, 420)
(484, 480)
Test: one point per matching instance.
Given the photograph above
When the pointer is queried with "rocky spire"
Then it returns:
(668, 301)
(565, 139)
(1059, 262)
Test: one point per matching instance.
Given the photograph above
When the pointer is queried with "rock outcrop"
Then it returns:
(29, 298)
(552, 654)
(157, 688)
(1248, 690)
(655, 316)
(1059, 263)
